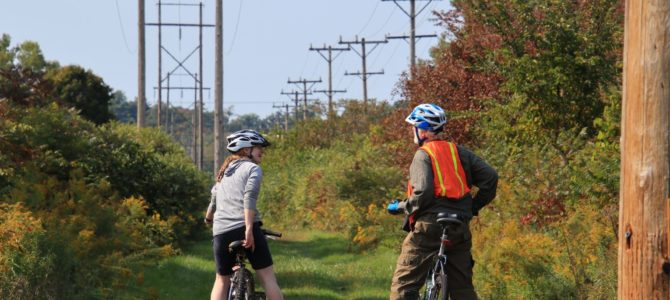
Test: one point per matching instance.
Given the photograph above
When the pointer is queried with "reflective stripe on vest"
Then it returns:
(448, 173)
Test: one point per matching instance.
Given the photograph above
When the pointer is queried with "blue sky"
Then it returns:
(266, 42)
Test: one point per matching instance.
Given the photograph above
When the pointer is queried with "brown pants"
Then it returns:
(416, 258)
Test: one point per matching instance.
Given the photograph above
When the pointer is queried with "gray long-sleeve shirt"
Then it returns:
(237, 190)
(477, 172)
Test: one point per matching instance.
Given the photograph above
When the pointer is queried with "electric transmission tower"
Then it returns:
(198, 120)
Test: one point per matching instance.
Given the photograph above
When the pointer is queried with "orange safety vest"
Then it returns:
(449, 179)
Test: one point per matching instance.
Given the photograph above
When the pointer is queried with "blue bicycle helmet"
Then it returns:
(427, 117)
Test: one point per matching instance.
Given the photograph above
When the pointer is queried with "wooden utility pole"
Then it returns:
(295, 100)
(329, 58)
(363, 74)
(218, 88)
(201, 120)
(141, 65)
(412, 33)
(644, 271)
(305, 91)
(286, 117)
(286, 106)
(160, 66)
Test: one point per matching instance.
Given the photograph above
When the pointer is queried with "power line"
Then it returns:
(237, 23)
(369, 19)
(385, 23)
(123, 33)
(395, 49)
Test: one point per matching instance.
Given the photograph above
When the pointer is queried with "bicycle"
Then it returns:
(242, 282)
(436, 282)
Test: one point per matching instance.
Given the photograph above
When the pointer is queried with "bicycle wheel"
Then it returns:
(242, 285)
(441, 282)
(436, 286)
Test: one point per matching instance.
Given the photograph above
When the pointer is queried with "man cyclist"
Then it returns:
(440, 178)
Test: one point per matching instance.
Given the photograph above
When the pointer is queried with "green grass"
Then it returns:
(309, 265)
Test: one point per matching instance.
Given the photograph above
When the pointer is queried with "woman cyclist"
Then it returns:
(233, 213)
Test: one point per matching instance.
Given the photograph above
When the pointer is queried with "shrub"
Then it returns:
(103, 201)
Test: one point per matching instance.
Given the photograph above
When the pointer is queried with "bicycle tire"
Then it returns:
(436, 286)
(242, 285)
(442, 289)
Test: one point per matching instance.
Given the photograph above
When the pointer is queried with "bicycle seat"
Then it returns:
(449, 219)
(235, 246)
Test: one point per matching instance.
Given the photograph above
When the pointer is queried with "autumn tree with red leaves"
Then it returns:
(454, 80)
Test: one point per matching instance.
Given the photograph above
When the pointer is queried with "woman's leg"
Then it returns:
(269, 282)
(220, 289)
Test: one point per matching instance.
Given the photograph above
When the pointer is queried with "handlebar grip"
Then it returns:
(272, 233)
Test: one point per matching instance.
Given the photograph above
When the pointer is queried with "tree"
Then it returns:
(560, 61)
(83, 90)
(26, 55)
(124, 111)
(246, 121)
(21, 73)
(6, 55)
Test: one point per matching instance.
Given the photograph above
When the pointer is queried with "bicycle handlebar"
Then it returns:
(271, 233)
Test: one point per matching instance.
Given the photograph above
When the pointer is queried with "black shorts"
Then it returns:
(260, 258)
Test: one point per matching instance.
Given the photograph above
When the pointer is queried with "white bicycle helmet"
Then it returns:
(427, 117)
(244, 139)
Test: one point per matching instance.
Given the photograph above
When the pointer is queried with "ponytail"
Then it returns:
(231, 158)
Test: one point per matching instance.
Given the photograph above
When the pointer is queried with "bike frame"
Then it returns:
(240, 258)
(439, 268)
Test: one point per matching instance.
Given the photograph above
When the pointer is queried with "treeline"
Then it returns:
(534, 87)
(180, 127)
(84, 202)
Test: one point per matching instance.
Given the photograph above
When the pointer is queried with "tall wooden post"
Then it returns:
(141, 65)
(645, 173)
(201, 119)
(160, 67)
(218, 88)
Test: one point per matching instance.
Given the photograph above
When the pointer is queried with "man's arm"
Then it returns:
(421, 179)
(485, 178)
